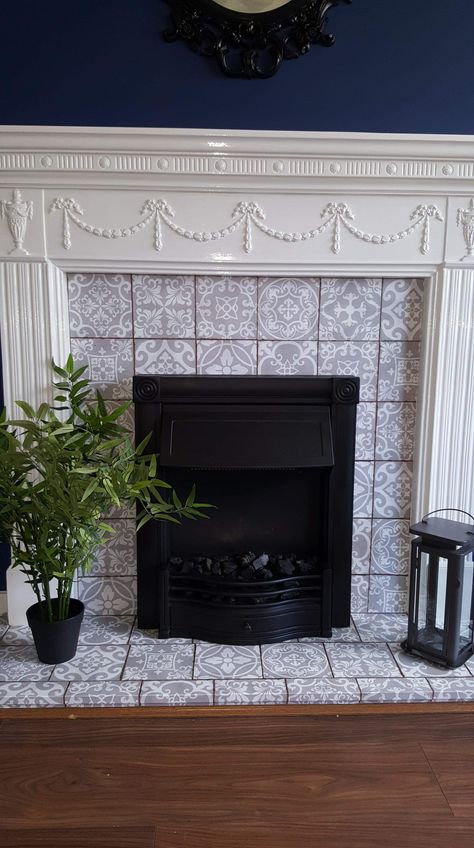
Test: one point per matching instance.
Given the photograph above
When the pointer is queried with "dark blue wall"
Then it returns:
(397, 66)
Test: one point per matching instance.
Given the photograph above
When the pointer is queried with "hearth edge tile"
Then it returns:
(391, 690)
(103, 693)
(197, 693)
(452, 689)
(245, 691)
(329, 690)
(42, 694)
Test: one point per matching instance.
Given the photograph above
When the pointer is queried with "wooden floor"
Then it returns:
(348, 781)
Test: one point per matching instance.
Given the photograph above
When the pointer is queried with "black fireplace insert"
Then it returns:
(275, 455)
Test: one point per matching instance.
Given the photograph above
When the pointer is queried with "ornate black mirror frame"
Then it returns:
(250, 45)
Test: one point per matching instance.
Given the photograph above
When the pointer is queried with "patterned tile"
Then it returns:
(453, 689)
(390, 546)
(226, 308)
(359, 359)
(412, 666)
(399, 367)
(392, 489)
(361, 660)
(17, 636)
(395, 431)
(350, 309)
(361, 535)
(323, 690)
(295, 659)
(119, 554)
(381, 627)
(227, 661)
(388, 593)
(363, 489)
(402, 309)
(391, 690)
(108, 595)
(359, 593)
(164, 660)
(339, 634)
(365, 431)
(3, 624)
(101, 662)
(177, 693)
(163, 306)
(109, 365)
(148, 637)
(250, 692)
(100, 305)
(287, 358)
(288, 308)
(165, 356)
(103, 694)
(24, 694)
(20, 662)
(226, 357)
(105, 630)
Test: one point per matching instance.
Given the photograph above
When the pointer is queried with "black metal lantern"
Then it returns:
(441, 607)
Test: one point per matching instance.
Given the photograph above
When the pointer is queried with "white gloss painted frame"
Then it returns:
(107, 199)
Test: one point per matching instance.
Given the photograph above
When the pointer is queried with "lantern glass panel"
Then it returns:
(433, 570)
(467, 602)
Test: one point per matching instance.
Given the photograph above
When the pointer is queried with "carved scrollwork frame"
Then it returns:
(248, 45)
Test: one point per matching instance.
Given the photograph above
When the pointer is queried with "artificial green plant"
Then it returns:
(63, 468)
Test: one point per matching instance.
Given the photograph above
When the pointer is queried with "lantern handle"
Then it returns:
(447, 509)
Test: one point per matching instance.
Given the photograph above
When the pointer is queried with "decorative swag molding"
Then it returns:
(277, 204)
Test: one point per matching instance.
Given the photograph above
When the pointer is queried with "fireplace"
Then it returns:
(276, 457)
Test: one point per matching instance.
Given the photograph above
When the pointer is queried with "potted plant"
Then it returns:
(62, 469)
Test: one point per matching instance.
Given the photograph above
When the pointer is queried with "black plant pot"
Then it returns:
(56, 641)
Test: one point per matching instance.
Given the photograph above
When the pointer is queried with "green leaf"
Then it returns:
(26, 408)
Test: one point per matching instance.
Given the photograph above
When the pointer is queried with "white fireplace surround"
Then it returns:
(238, 202)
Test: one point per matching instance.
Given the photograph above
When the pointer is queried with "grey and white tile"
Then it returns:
(100, 305)
(98, 662)
(105, 630)
(287, 358)
(177, 693)
(339, 634)
(108, 595)
(226, 357)
(227, 661)
(164, 660)
(381, 627)
(390, 546)
(236, 692)
(361, 660)
(388, 593)
(359, 593)
(350, 309)
(392, 489)
(21, 635)
(452, 689)
(395, 436)
(116, 693)
(323, 690)
(109, 364)
(295, 659)
(163, 306)
(119, 554)
(20, 662)
(361, 538)
(147, 637)
(365, 431)
(226, 307)
(288, 308)
(399, 367)
(363, 489)
(358, 359)
(3, 624)
(412, 666)
(165, 356)
(376, 690)
(32, 694)
(402, 309)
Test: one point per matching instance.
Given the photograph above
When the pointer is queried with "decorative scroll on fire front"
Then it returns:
(247, 215)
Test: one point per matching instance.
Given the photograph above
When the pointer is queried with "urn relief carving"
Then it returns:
(17, 212)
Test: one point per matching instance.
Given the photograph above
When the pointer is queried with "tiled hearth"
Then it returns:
(118, 665)
(123, 324)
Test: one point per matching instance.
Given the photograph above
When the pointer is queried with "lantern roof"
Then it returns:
(444, 530)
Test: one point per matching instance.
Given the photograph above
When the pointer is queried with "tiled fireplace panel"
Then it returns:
(126, 324)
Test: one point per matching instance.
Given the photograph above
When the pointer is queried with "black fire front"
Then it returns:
(276, 457)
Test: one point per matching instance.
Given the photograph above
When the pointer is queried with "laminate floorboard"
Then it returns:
(397, 781)
(81, 837)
